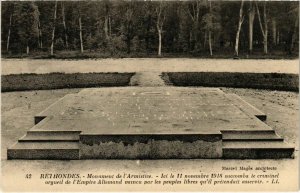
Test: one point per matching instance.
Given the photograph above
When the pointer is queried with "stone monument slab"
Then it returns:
(150, 123)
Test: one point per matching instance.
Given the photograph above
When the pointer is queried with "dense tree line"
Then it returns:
(197, 27)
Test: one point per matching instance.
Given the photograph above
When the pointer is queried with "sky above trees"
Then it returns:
(150, 27)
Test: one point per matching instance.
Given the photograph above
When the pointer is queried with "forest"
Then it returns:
(198, 28)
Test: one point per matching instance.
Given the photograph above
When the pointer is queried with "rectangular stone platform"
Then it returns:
(149, 123)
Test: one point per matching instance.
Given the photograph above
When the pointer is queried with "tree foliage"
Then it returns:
(198, 27)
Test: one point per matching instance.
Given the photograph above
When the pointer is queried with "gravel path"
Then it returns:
(17, 66)
(147, 79)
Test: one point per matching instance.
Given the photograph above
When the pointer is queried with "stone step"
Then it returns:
(247, 107)
(50, 136)
(44, 150)
(256, 150)
(250, 136)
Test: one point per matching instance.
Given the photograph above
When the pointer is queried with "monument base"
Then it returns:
(150, 147)
(150, 123)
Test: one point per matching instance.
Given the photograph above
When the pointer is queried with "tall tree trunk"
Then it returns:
(294, 34)
(159, 25)
(64, 24)
(129, 38)
(129, 25)
(27, 49)
(148, 32)
(209, 43)
(274, 31)
(80, 34)
(53, 30)
(107, 22)
(266, 43)
(196, 38)
(209, 33)
(159, 42)
(237, 37)
(205, 39)
(264, 30)
(40, 35)
(188, 41)
(109, 26)
(8, 35)
(39, 32)
(106, 27)
(278, 37)
(194, 15)
(251, 16)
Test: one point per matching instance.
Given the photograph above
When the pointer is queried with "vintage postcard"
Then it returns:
(149, 96)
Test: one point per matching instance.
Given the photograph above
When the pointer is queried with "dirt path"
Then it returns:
(147, 79)
(18, 66)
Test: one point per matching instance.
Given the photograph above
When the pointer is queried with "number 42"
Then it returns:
(28, 176)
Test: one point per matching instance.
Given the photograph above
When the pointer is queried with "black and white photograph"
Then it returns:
(149, 96)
